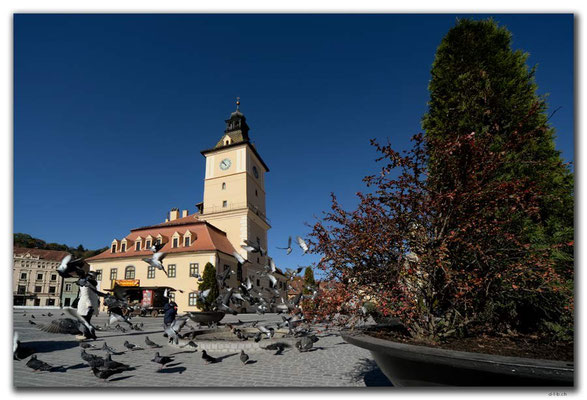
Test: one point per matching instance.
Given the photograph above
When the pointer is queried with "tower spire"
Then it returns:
(238, 103)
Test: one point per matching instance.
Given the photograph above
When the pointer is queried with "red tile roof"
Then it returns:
(209, 238)
(52, 255)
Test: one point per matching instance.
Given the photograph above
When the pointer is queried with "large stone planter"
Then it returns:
(206, 317)
(409, 365)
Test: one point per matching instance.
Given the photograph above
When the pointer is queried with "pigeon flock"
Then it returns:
(292, 324)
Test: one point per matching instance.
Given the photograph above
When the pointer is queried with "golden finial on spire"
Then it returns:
(238, 102)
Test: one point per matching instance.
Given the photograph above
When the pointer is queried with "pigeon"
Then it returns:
(32, 316)
(20, 352)
(273, 280)
(85, 345)
(302, 245)
(239, 258)
(92, 360)
(43, 315)
(156, 247)
(222, 278)
(288, 248)
(37, 364)
(109, 363)
(151, 344)
(49, 314)
(108, 349)
(131, 346)
(306, 343)
(73, 326)
(209, 359)
(70, 268)
(104, 373)
(32, 323)
(190, 344)
(172, 330)
(162, 360)
(155, 261)
(277, 346)
(244, 357)
(268, 331)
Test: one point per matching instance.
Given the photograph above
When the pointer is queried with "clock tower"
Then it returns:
(234, 188)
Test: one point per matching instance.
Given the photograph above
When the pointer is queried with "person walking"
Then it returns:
(89, 302)
(170, 312)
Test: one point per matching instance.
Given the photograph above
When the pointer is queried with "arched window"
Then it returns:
(223, 185)
(129, 272)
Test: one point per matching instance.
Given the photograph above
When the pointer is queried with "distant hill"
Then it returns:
(24, 240)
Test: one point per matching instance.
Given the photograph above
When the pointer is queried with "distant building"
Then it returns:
(233, 211)
(70, 291)
(35, 281)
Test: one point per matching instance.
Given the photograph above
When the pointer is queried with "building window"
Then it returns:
(37, 302)
(239, 272)
(194, 269)
(113, 248)
(193, 298)
(68, 287)
(175, 241)
(67, 302)
(38, 289)
(50, 302)
(151, 272)
(148, 244)
(255, 192)
(123, 247)
(21, 289)
(223, 185)
(52, 289)
(53, 277)
(39, 277)
(23, 275)
(171, 270)
(137, 246)
(98, 275)
(224, 203)
(113, 274)
(129, 272)
(187, 241)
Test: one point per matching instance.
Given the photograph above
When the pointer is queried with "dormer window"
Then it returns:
(123, 247)
(175, 241)
(137, 246)
(148, 244)
(227, 142)
(113, 248)
(187, 241)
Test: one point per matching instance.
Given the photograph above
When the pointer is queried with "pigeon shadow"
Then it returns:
(219, 359)
(120, 378)
(184, 352)
(131, 334)
(172, 370)
(51, 345)
(251, 362)
(76, 366)
(173, 364)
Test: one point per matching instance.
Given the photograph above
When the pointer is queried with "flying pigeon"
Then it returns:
(302, 245)
(172, 330)
(71, 268)
(288, 248)
(73, 326)
(156, 247)
(155, 261)
(239, 258)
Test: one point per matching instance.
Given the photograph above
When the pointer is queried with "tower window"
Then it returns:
(225, 203)
(223, 185)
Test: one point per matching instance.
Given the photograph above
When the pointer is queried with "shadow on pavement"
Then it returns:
(366, 370)
(172, 370)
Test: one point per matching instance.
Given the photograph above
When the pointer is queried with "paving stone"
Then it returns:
(332, 364)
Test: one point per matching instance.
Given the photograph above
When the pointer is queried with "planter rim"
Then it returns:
(448, 356)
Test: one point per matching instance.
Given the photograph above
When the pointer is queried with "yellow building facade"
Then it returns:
(233, 210)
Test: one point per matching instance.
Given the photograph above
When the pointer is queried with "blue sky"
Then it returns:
(111, 111)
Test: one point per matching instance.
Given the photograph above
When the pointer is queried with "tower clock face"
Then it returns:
(225, 164)
(255, 172)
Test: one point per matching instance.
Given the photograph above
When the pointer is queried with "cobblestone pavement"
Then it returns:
(334, 363)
